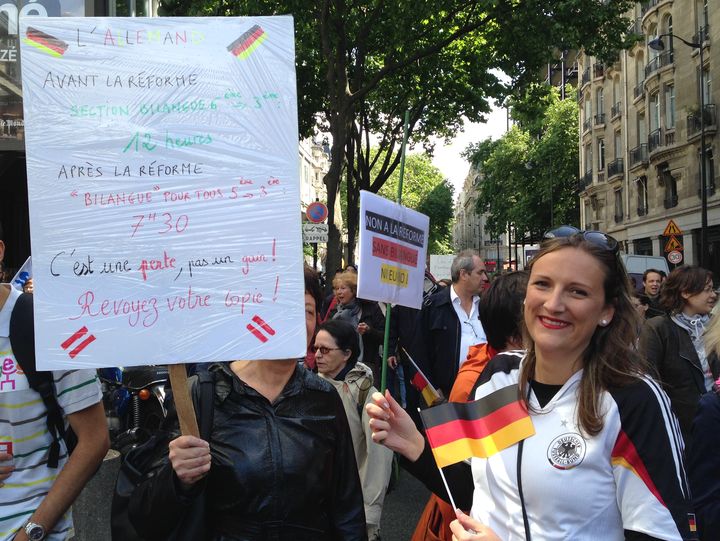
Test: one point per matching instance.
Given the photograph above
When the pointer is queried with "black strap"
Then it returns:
(22, 343)
(526, 522)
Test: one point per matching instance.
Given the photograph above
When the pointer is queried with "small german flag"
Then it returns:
(45, 42)
(692, 523)
(457, 431)
(247, 43)
(422, 384)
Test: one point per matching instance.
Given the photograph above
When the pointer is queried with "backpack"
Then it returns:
(141, 461)
(22, 343)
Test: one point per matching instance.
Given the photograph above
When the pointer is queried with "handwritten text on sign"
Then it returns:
(162, 171)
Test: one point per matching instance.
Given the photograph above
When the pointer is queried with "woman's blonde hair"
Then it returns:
(610, 359)
(712, 336)
(347, 278)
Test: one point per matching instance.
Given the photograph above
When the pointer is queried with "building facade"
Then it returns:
(640, 133)
(469, 229)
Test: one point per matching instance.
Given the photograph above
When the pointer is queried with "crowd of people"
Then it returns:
(621, 387)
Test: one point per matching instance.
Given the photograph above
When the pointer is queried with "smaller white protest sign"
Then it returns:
(393, 248)
(315, 233)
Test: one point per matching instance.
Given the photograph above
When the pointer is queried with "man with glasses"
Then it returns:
(450, 321)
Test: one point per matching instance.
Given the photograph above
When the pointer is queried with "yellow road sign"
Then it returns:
(672, 229)
(673, 245)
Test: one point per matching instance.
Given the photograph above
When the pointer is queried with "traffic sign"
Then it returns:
(315, 233)
(675, 257)
(673, 245)
(316, 212)
(672, 229)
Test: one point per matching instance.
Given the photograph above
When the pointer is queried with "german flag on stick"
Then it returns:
(457, 431)
(422, 384)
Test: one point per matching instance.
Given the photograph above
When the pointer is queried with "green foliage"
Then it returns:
(425, 190)
(530, 178)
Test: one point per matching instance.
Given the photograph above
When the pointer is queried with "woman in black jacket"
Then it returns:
(673, 344)
(279, 463)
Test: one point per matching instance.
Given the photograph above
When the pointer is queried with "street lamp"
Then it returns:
(658, 45)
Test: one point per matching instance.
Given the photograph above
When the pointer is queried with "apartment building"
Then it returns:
(640, 135)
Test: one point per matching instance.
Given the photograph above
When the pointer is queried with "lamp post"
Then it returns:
(658, 45)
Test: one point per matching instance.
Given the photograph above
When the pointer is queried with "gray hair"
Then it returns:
(463, 261)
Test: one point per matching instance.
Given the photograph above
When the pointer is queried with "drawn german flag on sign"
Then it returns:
(247, 43)
(457, 431)
(45, 42)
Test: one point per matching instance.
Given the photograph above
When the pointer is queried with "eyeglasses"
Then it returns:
(598, 238)
(471, 328)
(324, 350)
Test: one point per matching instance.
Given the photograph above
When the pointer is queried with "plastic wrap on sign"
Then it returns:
(163, 183)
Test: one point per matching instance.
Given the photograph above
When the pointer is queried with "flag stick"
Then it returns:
(435, 391)
(386, 339)
(442, 475)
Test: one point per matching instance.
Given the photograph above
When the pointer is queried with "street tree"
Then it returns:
(425, 190)
(362, 63)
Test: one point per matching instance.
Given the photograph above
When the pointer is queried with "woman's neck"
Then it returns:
(554, 373)
(266, 377)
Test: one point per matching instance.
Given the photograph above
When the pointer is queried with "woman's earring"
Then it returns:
(604, 322)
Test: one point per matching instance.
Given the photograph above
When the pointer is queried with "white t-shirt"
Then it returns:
(628, 477)
(23, 423)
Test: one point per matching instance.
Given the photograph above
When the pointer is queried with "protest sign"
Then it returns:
(162, 159)
(393, 247)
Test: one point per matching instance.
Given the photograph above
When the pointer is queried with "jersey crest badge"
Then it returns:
(566, 451)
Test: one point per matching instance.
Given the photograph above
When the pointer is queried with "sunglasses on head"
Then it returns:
(598, 238)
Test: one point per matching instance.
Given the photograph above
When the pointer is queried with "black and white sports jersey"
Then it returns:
(628, 477)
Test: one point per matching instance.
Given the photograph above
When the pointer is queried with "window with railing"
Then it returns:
(655, 140)
(663, 59)
(639, 90)
(598, 70)
(600, 119)
(694, 121)
(586, 76)
(615, 110)
(639, 155)
(615, 167)
(702, 34)
(642, 195)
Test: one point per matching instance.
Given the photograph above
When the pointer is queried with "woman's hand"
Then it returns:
(190, 458)
(362, 328)
(465, 528)
(393, 427)
(5, 469)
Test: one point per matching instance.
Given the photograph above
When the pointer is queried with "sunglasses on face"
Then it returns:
(598, 238)
(324, 350)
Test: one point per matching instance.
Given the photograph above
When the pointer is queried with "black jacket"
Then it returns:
(284, 471)
(670, 351)
(439, 341)
(704, 464)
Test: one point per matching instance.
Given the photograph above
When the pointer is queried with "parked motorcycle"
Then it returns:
(134, 400)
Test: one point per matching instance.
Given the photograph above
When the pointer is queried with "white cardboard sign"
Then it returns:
(393, 248)
(162, 159)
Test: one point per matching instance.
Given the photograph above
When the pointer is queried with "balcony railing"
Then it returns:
(655, 140)
(638, 155)
(669, 138)
(585, 181)
(642, 211)
(639, 90)
(702, 34)
(693, 119)
(600, 119)
(710, 185)
(636, 27)
(615, 110)
(601, 175)
(586, 76)
(598, 70)
(615, 167)
(618, 217)
(670, 201)
(663, 59)
(586, 125)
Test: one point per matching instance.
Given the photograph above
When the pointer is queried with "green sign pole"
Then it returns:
(388, 306)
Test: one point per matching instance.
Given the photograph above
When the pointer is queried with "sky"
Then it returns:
(447, 157)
